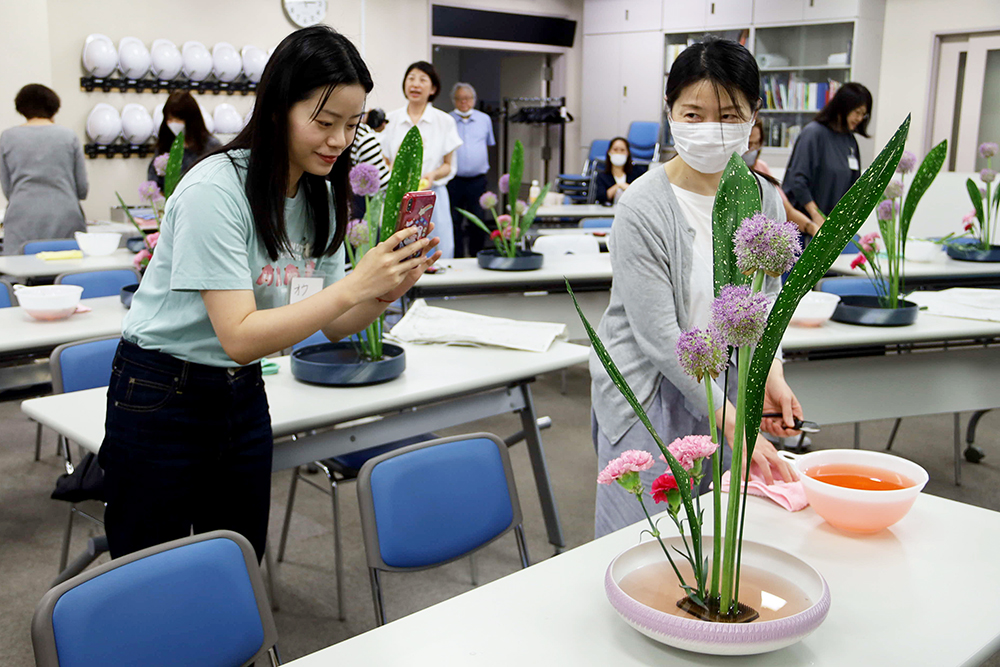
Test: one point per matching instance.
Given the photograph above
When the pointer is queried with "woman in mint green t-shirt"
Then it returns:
(188, 435)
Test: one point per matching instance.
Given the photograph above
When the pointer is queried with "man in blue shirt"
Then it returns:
(476, 130)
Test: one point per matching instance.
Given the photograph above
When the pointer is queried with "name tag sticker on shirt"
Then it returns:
(303, 288)
(852, 163)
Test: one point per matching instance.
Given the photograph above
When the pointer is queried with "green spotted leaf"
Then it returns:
(738, 198)
(405, 178)
(172, 173)
(516, 174)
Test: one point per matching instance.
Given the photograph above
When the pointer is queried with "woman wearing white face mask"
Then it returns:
(618, 172)
(662, 262)
(182, 114)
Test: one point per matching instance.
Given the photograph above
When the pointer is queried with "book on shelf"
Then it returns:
(780, 134)
(789, 92)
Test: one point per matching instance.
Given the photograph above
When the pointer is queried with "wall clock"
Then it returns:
(305, 13)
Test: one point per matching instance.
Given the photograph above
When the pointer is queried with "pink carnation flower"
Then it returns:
(970, 217)
(141, 259)
(632, 460)
(662, 486)
(152, 239)
(860, 260)
(869, 242)
(690, 448)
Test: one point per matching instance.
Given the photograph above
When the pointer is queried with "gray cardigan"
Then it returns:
(651, 260)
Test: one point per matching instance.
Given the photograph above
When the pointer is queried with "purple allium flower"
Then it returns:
(987, 176)
(894, 189)
(521, 207)
(357, 232)
(364, 179)
(764, 244)
(504, 184)
(740, 315)
(988, 149)
(906, 163)
(160, 164)
(150, 191)
(886, 209)
(982, 192)
(488, 200)
(701, 353)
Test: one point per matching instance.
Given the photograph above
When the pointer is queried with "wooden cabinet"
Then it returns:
(788, 11)
(601, 17)
(721, 13)
(683, 15)
(778, 11)
(820, 10)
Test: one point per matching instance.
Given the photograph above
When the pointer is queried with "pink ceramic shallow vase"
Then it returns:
(700, 636)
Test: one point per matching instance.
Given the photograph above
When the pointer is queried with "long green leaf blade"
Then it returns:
(516, 174)
(922, 180)
(405, 178)
(844, 220)
(474, 219)
(977, 200)
(738, 198)
(172, 173)
(529, 216)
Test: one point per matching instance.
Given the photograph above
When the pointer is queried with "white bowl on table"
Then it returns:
(814, 309)
(98, 244)
(918, 250)
(48, 302)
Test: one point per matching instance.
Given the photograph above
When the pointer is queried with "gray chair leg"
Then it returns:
(892, 436)
(564, 384)
(64, 553)
(288, 515)
(857, 435)
(38, 442)
(274, 656)
(958, 450)
(522, 545)
(271, 589)
(338, 552)
(473, 570)
(377, 596)
(973, 454)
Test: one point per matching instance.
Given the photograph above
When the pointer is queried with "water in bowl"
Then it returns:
(856, 476)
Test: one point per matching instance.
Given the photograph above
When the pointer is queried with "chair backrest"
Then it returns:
(6, 294)
(434, 502)
(595, 158)
(568, 244)
(84, 364)
(644, 139)
(199, 600)
(599, 223)
(848, 286)
(317, 338)
(850, 249)
(101, 282)
(48, 245)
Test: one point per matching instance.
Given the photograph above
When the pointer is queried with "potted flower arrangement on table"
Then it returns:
(706, 572)
(981, 223)
(894, 214)
(366, 358)
(509, 233)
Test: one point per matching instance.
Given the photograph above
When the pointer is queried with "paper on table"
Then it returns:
(428, 324)
(50, 255)
(969, 303)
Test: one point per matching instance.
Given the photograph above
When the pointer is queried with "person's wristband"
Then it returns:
(380, 299)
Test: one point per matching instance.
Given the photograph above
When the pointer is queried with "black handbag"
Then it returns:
(86, 482)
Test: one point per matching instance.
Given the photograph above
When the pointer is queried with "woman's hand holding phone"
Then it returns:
(427, 260)
(387, 267)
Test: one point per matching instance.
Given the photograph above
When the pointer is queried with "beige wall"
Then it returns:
(906, 58)
(43, 40)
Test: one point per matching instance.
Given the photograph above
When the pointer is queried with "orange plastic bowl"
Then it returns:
(858, 510)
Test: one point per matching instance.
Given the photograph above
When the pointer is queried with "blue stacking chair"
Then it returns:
(48, 245)
(199, 600)
(596, 223)
(850, 249)
(77, 366)
(101, 282)
(848, 286)
(435, 502)
(644, 140)
(579, 188)
(595, 158)
(6, 294)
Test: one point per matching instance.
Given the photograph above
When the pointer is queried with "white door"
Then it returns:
(778, 11)
(729, 13)
(603, 16)
(642, 79)
(682, 15)
(817, 10)
(965, 107)
(602, 88)
(642, 15)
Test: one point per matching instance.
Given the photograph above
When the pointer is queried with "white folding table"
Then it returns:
(29, 268)
(574, 211)
(943, 272)
(895, 601)
(442, 386)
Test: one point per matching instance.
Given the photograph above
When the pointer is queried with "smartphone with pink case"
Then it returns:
(415, 210)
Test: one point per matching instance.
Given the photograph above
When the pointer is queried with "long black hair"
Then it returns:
(628, 159)
(850, 96)
(180, 104)
(309, 59)
(723, 63)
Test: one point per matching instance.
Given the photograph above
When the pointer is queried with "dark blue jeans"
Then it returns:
(186, 447)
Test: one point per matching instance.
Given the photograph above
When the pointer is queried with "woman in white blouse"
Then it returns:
(421, 85)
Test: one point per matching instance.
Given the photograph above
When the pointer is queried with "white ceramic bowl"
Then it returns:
(49, 302)
(858, 510)
(254, 61)
(137, 124)
(133, 58)
(97, 244)
(814, 309)
(227, 119)
(104, 125)
(100, 58)
(226, 62)
(918, 250)
(197, 61)
(166, 60)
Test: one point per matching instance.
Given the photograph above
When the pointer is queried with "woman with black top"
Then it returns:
(618, 173)
(182, 114)
(825, 161)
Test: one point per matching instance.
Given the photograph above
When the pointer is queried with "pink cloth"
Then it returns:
(82, 309)
(789, 495)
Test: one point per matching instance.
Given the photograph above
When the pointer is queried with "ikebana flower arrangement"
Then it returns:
(981, 222)
(894, 214)
(511, 227)
(379, 221)
(167, 165)
(746, 247)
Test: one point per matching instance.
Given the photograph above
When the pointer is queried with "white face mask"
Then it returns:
(707, 147)
(176, 127)
(464, 114)
(618, 159)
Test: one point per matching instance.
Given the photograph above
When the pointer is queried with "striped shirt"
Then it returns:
(367, 148)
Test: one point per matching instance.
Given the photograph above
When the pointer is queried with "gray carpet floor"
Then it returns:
(31, 524)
